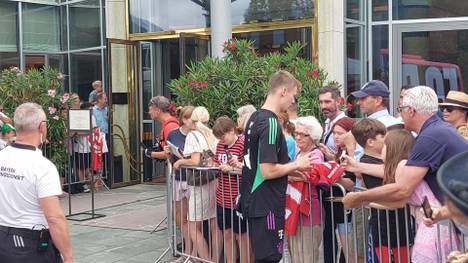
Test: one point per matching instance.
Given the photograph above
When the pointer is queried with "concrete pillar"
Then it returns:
(331, 38)
(221, 25)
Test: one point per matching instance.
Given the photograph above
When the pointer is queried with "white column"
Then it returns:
(221, 26)
(331, 40)
(115, 19)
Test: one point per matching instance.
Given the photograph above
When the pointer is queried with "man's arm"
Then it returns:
(5, 119)
(357, 167)
(396, 192)
(58, 226)
(275, 170)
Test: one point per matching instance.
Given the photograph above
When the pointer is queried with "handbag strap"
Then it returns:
(198, 141)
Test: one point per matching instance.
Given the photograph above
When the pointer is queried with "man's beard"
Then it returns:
(328, 112)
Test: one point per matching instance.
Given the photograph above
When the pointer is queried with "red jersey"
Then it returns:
(228, 185)
(170, 124)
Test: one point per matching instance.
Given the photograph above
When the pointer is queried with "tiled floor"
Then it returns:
(123, 235)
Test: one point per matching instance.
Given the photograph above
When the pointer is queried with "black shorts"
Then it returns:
(227, 218)
(19, 245)
(266, 237)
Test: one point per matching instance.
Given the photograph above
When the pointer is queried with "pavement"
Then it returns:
(123, 234)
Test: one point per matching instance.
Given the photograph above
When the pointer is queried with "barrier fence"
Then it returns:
(204, 225)
(79, 172)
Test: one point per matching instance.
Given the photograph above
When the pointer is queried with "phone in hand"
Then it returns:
(426, 208)
(342, 158)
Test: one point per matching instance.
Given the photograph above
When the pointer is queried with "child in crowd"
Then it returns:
(229, 157)
(177, 138)
(370, 135)
(8, 135)
(201, 200)
(426, 248)
(389, 228)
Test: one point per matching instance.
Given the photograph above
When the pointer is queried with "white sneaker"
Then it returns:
(86, 188)
(181, 259)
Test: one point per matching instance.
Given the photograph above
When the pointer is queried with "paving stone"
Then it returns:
(124, 234)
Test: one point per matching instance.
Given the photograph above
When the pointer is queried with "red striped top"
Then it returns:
(228, 185)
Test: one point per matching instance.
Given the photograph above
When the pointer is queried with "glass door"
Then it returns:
(125, 154)
(192, 47)
(431, 54)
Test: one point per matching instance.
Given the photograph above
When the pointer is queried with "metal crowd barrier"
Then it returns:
(77, 174)
(206, 229)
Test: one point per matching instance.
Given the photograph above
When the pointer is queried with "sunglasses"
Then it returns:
(448, 108)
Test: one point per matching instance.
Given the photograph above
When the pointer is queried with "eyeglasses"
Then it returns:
(400, 108)
(296, 134)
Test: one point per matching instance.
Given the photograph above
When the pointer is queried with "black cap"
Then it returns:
(452, 178)
(372, 88)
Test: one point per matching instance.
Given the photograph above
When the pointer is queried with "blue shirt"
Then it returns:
(291, 144)
(102, 117)
(436, 143)
(385, 117)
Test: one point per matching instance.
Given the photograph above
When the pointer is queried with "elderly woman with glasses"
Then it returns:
(455, 110)
(304, 245)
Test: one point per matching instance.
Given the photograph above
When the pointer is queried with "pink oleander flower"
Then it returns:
(51, 93)
(204, 84)
(17, 71)
(65, 98)
(52, 110)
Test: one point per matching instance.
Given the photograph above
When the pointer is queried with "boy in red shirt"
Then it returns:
(229, 157)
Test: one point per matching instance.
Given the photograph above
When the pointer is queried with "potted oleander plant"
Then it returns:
(43, 87)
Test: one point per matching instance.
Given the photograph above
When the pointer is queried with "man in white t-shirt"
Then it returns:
(33, 227)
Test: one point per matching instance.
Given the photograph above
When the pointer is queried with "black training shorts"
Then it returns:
(266, 237)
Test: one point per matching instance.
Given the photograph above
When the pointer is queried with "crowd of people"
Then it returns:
(274, 183)
(381, 162)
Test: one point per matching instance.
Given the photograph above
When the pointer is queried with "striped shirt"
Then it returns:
(227, 190)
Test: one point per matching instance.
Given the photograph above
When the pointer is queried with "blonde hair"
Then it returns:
(184, 113)
(283, 78)
(200, 117)
(243, 115)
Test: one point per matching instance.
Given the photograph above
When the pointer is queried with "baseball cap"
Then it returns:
(451, 177)
(372, 88)
(6, 128)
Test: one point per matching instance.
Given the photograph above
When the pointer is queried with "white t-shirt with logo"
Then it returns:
(25, 177)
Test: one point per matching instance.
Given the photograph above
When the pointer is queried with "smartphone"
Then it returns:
(426, 208)
(342, 158)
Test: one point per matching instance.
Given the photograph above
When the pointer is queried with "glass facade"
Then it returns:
(41, 28)
(166, 15)
(411, 9)
(408, 44)
(66, 35)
